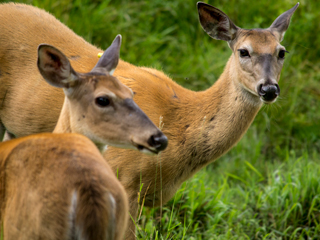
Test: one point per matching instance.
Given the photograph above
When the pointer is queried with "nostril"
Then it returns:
(260, 90)
(158, 141)
(278, 89)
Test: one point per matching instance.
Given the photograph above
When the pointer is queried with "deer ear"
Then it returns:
(216, 23)
(55, 67)
(110, 58)
(281, 24)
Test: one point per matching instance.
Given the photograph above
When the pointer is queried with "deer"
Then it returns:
(58, 186)
(95, 102)
(200, 126)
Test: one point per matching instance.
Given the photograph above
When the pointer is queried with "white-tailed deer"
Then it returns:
(201, 126)
(58, 186)
(96, 104)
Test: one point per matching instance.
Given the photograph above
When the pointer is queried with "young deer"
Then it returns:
(58, 186)
(201, 126)
(96, 104)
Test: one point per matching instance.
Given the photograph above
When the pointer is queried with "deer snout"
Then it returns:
(268, 92)
(158, 141)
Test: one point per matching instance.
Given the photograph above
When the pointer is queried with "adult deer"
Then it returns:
(58, 186)
(201, 126)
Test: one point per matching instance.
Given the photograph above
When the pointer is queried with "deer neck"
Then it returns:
(64, 124)
(64, 121)
(221, 116)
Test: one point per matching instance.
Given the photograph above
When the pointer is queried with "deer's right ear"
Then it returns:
(216, 23)
(281, 24)
(110, 58)
(55, 67)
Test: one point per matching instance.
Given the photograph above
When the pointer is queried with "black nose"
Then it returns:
(159, 141)
(269, 92)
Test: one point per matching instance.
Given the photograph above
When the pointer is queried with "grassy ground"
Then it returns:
(267, 186)
(243, 196)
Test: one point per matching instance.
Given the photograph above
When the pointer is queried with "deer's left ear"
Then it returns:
(55, 67)
(216, 23)
(281, 24)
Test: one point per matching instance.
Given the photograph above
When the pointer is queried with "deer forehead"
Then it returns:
(258, 41)
(108, 85)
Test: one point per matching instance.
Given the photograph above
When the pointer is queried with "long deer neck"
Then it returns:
(221, 115)
(63, 124)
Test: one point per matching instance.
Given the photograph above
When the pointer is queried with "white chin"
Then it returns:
(268, 102)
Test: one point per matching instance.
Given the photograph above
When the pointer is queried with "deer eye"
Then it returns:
(282, 53)
(244, 53)
(102, 101)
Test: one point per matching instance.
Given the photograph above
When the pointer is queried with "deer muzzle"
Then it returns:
(268, 92)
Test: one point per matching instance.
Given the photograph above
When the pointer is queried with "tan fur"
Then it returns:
(58, 186)
(200, 126)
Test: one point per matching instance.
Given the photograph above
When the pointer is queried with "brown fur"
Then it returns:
(58, 186)
(200, 126)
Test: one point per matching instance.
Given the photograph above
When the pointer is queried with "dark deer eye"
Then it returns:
(102, 101)
(244, 53)
(282, 53)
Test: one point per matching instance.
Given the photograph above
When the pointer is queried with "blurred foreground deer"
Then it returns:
(58, 186)
(200, 126)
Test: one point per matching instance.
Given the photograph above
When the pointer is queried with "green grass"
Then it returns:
(266, 187)
(243, 198)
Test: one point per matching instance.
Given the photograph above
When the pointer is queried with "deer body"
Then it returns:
(21, 84)
(58, 186)
(22, 87)
(197, 135)
(200, 126)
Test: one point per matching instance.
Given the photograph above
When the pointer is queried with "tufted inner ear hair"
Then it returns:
(55, 67)
(216, 23)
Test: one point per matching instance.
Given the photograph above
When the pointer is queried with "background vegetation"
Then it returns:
(267, 187)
